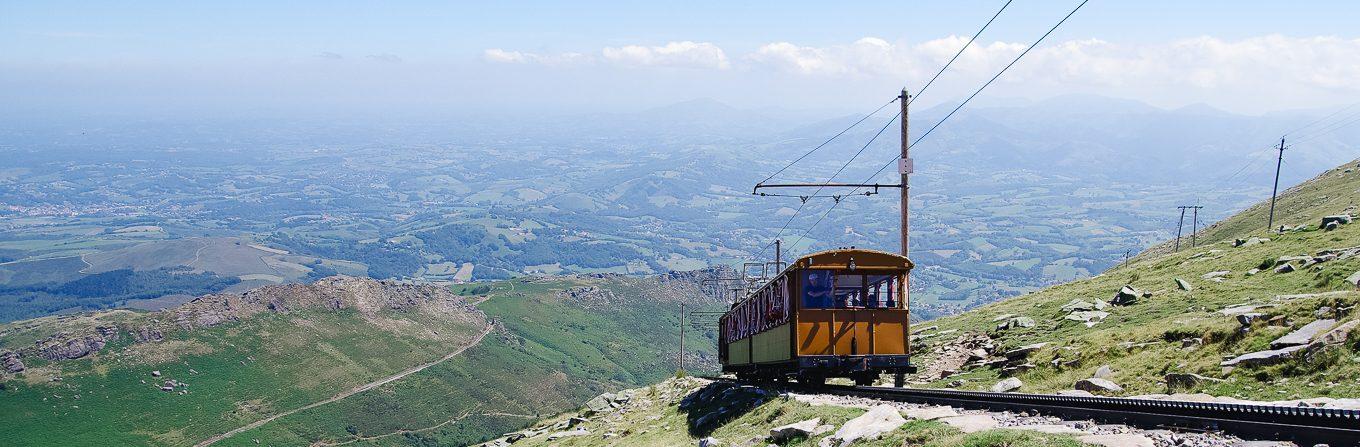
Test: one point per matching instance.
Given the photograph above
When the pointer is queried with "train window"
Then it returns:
(817, 287)
(882, 291)
(849, 291)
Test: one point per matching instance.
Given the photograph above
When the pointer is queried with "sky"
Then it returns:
(1248, 57)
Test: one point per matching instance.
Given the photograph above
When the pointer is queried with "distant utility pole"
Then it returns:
(905, 167)
(1270, 224)
(1194, 224)
(1179, 226)
(680, 358)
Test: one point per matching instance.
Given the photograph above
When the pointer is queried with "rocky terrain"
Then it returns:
(1248, 314)
(693, 411)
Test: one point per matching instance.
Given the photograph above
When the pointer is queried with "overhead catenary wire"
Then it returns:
(861, 120)
(1319, 120)
(950, 114)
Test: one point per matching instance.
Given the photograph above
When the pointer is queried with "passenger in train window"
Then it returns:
(817, 289)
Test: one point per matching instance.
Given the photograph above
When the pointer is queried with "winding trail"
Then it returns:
(349, 392)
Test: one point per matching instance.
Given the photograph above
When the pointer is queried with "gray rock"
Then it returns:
(709, 442)
(1262, 358)
(1354, 279)
(1284, 268)
(1089, 318)
(156, 373)
(1183, 285)
(1104, 372)
(1097, 385)
(1216, 275)
(1331, 226)
(930, 413)
(786, 433)
(870, 425)
(1118, 440)
(1126, 295)
(1192, 342)
(10, 363)
(1338, 334)
(1024, 351)
(568, 433)
(972, 423)
(1303, 335)
(1008, 385)
(1076, 305)
(601, 403)
(1340, 219)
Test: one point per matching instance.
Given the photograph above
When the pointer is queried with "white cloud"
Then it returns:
(516, 57)
(684, 54)
(1202, 62)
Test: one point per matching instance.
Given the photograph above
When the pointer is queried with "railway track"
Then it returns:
(1305, 426)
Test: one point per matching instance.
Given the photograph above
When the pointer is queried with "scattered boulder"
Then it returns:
(1284, 268)
(1126, 295)
(1354, 279)
(1183, 285)
(1187, 380)
(1192, 342)
(1024, 351)
(1078, 305)
(1338, 334)
(709, 442)
(10, 363)
(1331, 226)
(1340, 219)
(1262, 358)
(1098, 385)
(1303, 335)
(786, 433)
(568, 434)
(1089, 318)
(870, 425)
(1104, 372)
(1016, 322)
(1216, 276)
(1250, 241)
(600, 404)
(156, 373)
(1008, 385)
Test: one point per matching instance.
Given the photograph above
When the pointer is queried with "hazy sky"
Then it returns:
(1243, 56)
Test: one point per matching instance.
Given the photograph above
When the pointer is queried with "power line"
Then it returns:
(861, 120)
(1331, 128)
(828, 141)
(1319, 120)
(951, 113)
(956, 55)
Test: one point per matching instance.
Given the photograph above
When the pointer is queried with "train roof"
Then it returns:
(862, 256)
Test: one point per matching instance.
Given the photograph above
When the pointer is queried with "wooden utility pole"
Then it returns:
(1179, 226)
(905, 168)
(1270, 224)
(680, 359)
(1194, 224)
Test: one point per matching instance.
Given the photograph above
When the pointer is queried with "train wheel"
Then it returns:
(899, 380)
(812, 379)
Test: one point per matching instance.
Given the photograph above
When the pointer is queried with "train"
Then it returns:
(835, 313)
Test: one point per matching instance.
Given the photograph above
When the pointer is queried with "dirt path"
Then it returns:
(419, 430)
(349, 392)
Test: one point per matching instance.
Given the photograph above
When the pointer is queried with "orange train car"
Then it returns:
(836, 313)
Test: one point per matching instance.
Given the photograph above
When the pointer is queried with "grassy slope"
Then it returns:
(553, 356)
(1172, 315)
(549, 355)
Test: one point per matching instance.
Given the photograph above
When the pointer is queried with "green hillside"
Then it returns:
(514, 350)
(1169, 330)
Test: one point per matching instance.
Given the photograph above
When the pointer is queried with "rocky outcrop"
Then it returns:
(1008, 385)
(873, 423)
(1262, 358)
(365, 295)
(785, 433)
(1097, 385)
(10, 363)
(1303, 335)
(1128, 295)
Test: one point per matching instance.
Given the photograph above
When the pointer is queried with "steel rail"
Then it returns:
(1304, 425)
